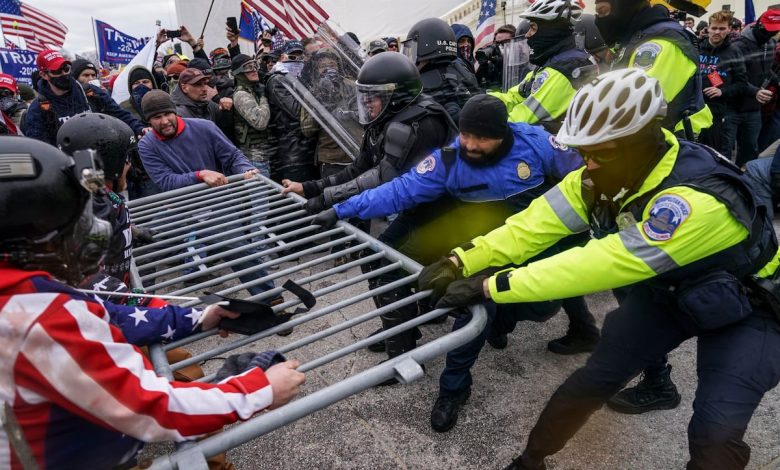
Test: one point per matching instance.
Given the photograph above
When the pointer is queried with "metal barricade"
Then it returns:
(201, 231)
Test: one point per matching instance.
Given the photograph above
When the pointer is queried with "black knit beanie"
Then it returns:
(80, 65)
(484, 116)
(139, 73)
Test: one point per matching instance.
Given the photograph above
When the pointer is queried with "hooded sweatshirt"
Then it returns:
(186, 107)
(130, 105)
(463, 31)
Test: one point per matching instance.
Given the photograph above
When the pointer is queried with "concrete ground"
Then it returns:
(388, 427)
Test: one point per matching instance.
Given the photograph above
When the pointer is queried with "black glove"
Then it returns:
(326, 219)
(437, 277)
(463, 293)
(240, 363)
(315, 205)
(141, 235)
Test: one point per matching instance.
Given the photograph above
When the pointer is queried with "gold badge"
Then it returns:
(523, 170)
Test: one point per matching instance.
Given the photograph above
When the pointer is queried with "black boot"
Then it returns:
(444, 415)
(577, 340)
(525, 463)
(379, 346)
(498, 341)
(653, 392)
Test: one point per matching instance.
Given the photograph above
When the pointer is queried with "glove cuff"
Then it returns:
(311, 189)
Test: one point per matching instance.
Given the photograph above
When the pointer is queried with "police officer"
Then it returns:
(646, 38)
(649, 199)
(402, 126)
(560, 67)
(494, 169)
(432, 46)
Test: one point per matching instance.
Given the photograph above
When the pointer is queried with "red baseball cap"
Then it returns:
(8, 82)
(50, 60)
(771, 20)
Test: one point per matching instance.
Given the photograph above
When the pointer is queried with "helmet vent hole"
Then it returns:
(600, 121)
(626, 120)
(623, 96)
(586, 115)
(605, 91)
(645, 104)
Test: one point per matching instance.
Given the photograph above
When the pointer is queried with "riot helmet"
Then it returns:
(112, 139)
(46, 220)
(386, 83)
(430, 39)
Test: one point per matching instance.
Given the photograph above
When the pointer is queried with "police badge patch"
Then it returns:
(667, 214)
(645, 55)
(427, 165)
(538, 81)
(523, 170)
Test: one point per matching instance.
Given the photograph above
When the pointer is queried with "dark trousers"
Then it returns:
(502, 319)
(736, 365)
(722, 134)
(746, 127)
(143, 188)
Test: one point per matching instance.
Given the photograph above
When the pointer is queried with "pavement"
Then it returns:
(389, 428)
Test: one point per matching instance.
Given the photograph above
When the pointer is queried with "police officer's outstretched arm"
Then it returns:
(424, 183)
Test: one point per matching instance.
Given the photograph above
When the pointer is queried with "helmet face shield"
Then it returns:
(516, 54)
(373, 100)
(85, 245)
(409, 49)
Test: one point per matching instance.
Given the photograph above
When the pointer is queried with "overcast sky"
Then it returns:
(135, 17)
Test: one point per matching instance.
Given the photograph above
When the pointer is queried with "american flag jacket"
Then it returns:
(84, 396)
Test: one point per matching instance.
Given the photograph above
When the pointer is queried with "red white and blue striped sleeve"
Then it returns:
(74, 358)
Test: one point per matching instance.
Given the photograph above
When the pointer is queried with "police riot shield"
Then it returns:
(326, 88)
(516, 62)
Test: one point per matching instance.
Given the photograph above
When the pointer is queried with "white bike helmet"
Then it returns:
(553, 9)
(614, 105)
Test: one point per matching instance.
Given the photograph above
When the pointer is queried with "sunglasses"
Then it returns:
(599, 159)
(266, 42)
(247, 67)
(64, 70)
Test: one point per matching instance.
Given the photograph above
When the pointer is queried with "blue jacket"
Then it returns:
(534, 158)
(38, 126)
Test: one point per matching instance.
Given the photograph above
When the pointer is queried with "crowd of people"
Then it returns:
(622, 157)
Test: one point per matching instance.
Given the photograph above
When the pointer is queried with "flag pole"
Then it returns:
(203, 31)
(94, 38)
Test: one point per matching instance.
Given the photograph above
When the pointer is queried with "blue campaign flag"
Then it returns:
(750, 12)
(114, 46)
(20, 63)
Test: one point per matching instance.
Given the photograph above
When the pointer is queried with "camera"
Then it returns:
(678, 15)
(491, 53)
(173, 33)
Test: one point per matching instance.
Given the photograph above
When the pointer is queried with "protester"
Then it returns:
(61, 97)
(192, 101)
(465, 42)
(756, 45)
(376, 46)
(97, 376)
(85, 72)
(251, 114)
(10, 102)
(392, 44)
(724, 82)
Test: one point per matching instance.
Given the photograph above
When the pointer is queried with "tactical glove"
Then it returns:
(437, 277)
(326, 219)
(463, 293)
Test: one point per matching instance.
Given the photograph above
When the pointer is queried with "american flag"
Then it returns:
(38, 29)
(296, 19)
(486, 25)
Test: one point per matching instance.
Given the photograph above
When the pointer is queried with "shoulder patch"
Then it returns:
(667, 214)
(523, 171)
(557, 145)
(427, 165)
(539, 81)
(645, 55)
